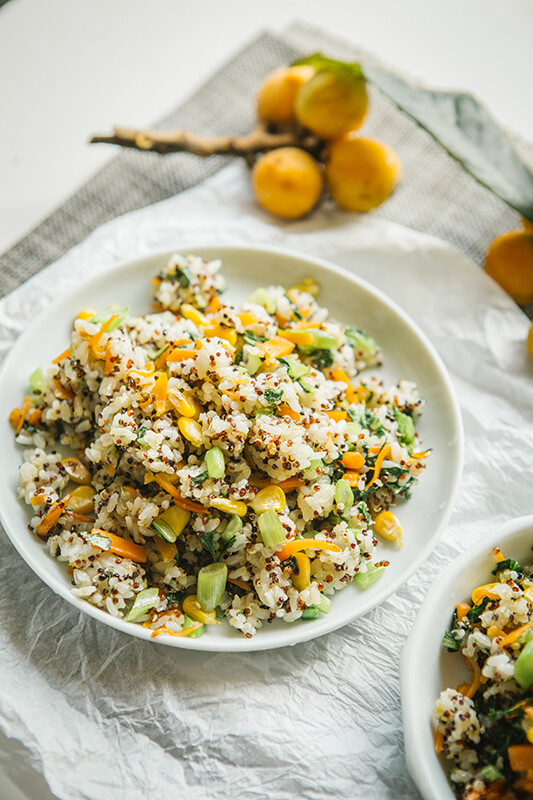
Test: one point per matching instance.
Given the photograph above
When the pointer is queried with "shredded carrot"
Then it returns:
(462, 688)
(96, 346)
(230, 394)
(214, 304)
(484, 591)
(296, 545)
(276, 347)
(183, 502)
(286, 411)
(352, 477)
(422, 454)
(341, 376)
(63, 392)
(439, 741)
(287, 485)
(23, 414)
(160, 393)
(384, 452)
(353, 460)
(163, 358)
(52, 516)
(75, 515)
(498, 555)
(461, 609)
(168, 550)
(180, 354)
(146, 372)
(337, 415)
(184, 632)
(108, 358)
(512, 637)
(241, 584)
(64, 354)
(297, 337)
(476, 678)
(146, 402)
(122, 547)
(520, 757)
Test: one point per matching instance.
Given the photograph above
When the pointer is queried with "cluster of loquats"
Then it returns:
(329, 100)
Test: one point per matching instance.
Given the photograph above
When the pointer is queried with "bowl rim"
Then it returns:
(422, 761)
(303, 632)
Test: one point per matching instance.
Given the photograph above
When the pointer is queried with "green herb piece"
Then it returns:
(140, 433)
(372, 574)
(228, 544)
(198, 480)
(174, 597)
(273, 395)
(362, 509)
(490, 773)
(449, 642)
(215, 463)
(189, 623)
(207, 540)
(182, 275)
(508, 563)
(270, 527)
(211, 584)
(311, 612)
(144, 601)
(252, 338)
(406, 427)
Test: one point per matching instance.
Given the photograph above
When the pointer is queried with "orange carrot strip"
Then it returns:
(108, 358)
(296, 545)
(184, 502)
(337, 415)
(23, 414)
(241, 584)
(184, 632)
(520, 757)
(285, 410)
(214, 304)
(163, 358)
(384, 452)
(181, 354)
(230, 394)
(96, 347)
(75, 515)
(168, 550)
(286, 485)
(439, 741)
(52, 516)
(341, 376)
(34, 416)
(353, 460)
(276, 347)
(461, 609)
(512, 637)
(63, 392)
(297, 337)
(498, 555)
(160, 393)
(476, 679)
(422, 454)
(65, 354)
(122, 547)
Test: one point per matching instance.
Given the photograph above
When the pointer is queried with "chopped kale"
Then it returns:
(508, 563)
(449, 642)
(322, 358)
(140, 433)
(174, 597)
(273, 395)
(253, 338)
(475, 612)
(197, 480)
(207, 541)
(227, 545)
(182, 275)
(362, 509)
(406, 427)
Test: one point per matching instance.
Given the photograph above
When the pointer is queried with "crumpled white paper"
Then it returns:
(87, 712)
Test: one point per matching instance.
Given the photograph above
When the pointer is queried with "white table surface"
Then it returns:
(71, 68)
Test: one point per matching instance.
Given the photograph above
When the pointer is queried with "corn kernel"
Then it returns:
(14, 417)
(494, 631)
(191, 430)
(182, 404)
(76, 471)
(387, 525)
(308, 285)
(87, 313)
(529, 735)
(302, 578)
(81, 499)
(269, 497)
(229, 506)
(192, 608)
(193, 315)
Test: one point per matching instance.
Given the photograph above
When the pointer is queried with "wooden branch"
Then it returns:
(182, 141)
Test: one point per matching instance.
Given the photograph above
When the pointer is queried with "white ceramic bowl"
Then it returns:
(407, 353)
(427, 668)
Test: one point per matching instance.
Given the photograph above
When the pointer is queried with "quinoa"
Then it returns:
(280, 394)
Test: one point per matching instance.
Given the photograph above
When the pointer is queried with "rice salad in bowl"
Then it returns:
(484, 727)
(202, 463)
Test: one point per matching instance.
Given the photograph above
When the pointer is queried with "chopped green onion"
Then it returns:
(211, 584)
(252, 364)
(295, 367)
(36, 380)
(188, 623)
(233, 527)
(372, 574)
(324, 604)
(315, 464)
(215, 463)
(262, 298)
(307, 386)
(361, 342)
(103, 316)
(171, 523)
(344, 495)
(270, 527)
(523, 666)
(491, 774)
(311, 612)
(321, 339)
(406, 427)
(353, 428)
(144, 601)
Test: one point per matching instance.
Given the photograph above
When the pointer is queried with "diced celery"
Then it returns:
(311, 612)
(188, 623)
(231, 529)
(144, 601)
(211, 584)
(307, 386)
(372, 574)
(324, 604)
(270, 527)
(215, 463)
